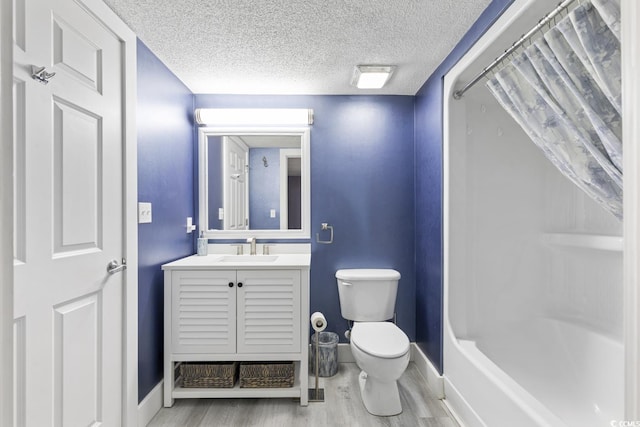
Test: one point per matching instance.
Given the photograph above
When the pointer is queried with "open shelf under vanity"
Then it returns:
(180, 392)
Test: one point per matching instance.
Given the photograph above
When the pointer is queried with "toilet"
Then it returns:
(379, 347)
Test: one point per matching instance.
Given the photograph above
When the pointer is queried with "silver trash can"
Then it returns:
(328, 352)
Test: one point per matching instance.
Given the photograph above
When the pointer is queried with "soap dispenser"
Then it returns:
(202, 245)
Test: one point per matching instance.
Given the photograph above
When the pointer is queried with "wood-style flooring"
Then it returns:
(342, 407)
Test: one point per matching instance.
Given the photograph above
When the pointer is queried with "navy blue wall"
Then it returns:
(165, 178)
(376, 182)
(362, 183)
(428, 155)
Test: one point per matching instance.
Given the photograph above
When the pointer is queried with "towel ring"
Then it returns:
(328, 227)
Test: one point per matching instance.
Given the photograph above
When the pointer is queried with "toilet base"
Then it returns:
(380, 398)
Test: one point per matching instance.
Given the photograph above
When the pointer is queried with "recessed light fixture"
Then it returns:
(371, 76)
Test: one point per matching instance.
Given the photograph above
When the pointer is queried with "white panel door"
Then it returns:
(68, 309)
(269, 311)
(235, 191)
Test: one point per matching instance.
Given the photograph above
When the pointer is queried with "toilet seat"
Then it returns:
(380, 339)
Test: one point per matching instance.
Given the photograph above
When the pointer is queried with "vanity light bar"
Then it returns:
(254, 116)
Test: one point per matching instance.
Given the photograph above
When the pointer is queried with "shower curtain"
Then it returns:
(564, 90)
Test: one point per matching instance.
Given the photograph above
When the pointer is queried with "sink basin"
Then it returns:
(248, 258)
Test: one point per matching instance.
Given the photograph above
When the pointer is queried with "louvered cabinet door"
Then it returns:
(268, 311)
(203, 311)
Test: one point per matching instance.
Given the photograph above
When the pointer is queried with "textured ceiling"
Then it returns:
(298, 46)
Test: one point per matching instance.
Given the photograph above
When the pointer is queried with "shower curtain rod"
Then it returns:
(544, 21)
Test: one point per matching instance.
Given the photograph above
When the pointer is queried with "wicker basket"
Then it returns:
(211, 374)
(266, 374)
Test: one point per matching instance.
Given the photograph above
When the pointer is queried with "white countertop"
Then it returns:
(218, 262)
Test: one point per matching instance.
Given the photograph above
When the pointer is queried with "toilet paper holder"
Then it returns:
(318, 323)
(325, 226)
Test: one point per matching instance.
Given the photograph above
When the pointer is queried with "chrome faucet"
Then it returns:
(252, 240)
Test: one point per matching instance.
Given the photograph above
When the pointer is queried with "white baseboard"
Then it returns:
(344, 353)
(150, 405)
(435, 381)
(460, 409)
(422, 362)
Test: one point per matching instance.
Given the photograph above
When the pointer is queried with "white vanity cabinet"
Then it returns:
(221, 311)
(227, 311)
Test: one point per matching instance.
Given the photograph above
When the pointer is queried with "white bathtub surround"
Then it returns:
(576, 118)
(630, 11)
(533, 269)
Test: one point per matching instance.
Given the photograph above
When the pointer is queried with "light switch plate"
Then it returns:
(144, 213)
(272, 213)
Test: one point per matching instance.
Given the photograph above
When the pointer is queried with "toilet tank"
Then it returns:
(367, 295)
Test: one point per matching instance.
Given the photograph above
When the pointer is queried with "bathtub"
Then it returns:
(533, 269)
(518, 384)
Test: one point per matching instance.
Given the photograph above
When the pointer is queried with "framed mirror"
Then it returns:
(254, 182)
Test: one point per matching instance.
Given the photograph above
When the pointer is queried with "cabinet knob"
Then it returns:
(231, 284)
(239, 284)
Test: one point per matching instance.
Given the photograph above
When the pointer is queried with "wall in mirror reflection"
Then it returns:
(253, 186)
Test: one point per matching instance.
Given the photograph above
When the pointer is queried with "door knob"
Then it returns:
(113, 266)
(41, 75)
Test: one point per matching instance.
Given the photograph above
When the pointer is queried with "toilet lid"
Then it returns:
(380, 339)
(367, 274)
